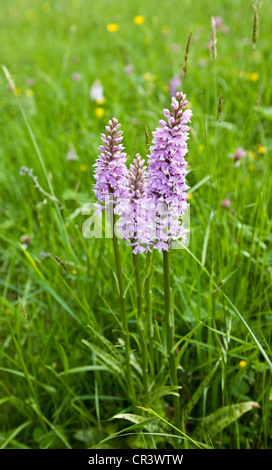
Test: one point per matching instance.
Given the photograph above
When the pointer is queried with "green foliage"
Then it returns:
(63, 382)
(223, 417)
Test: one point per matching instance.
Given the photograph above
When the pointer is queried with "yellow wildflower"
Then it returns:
(165, 30)
(99, 112)
(252, 77)
(17, 91)
(201, 147)
(190, 196)
(29, 93)
(261, 149)
(83, 167)
(112, 27)
(139, 19)
(149, 77)
(74, 271)
(242, 363)
(252, 155)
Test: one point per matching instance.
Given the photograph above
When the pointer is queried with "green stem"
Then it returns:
(149, 319)
(140, 319)
(123, 314)
(169, 320)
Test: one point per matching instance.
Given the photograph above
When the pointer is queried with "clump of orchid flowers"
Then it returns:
(148, 201)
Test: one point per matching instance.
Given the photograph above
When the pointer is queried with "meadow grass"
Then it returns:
(62, 358)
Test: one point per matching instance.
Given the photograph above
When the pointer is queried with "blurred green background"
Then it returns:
(54, 52)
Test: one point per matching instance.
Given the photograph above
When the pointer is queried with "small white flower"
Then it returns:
(71, 154)
(96, 91)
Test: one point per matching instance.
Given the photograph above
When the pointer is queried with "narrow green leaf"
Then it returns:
(200, 183)
(124, 431)
(136, 419)
(152, 412)
(184, 339)
(158, 392)
(206, 238)
(104, 341)
(64, 357)
(191, 404)
(220, 419)
(14, 433)
(112, 364)
(78, 370)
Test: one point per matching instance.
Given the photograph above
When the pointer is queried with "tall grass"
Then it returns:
(63, 374)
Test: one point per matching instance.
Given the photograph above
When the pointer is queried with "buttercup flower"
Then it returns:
(112, 27)
(139, 19)
(261, 149)
(252, 77)
(99, 112)
(242, 363)
(83, 167)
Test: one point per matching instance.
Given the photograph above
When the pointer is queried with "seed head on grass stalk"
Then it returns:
(255, 28)
(214, 39)
(184, 68)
